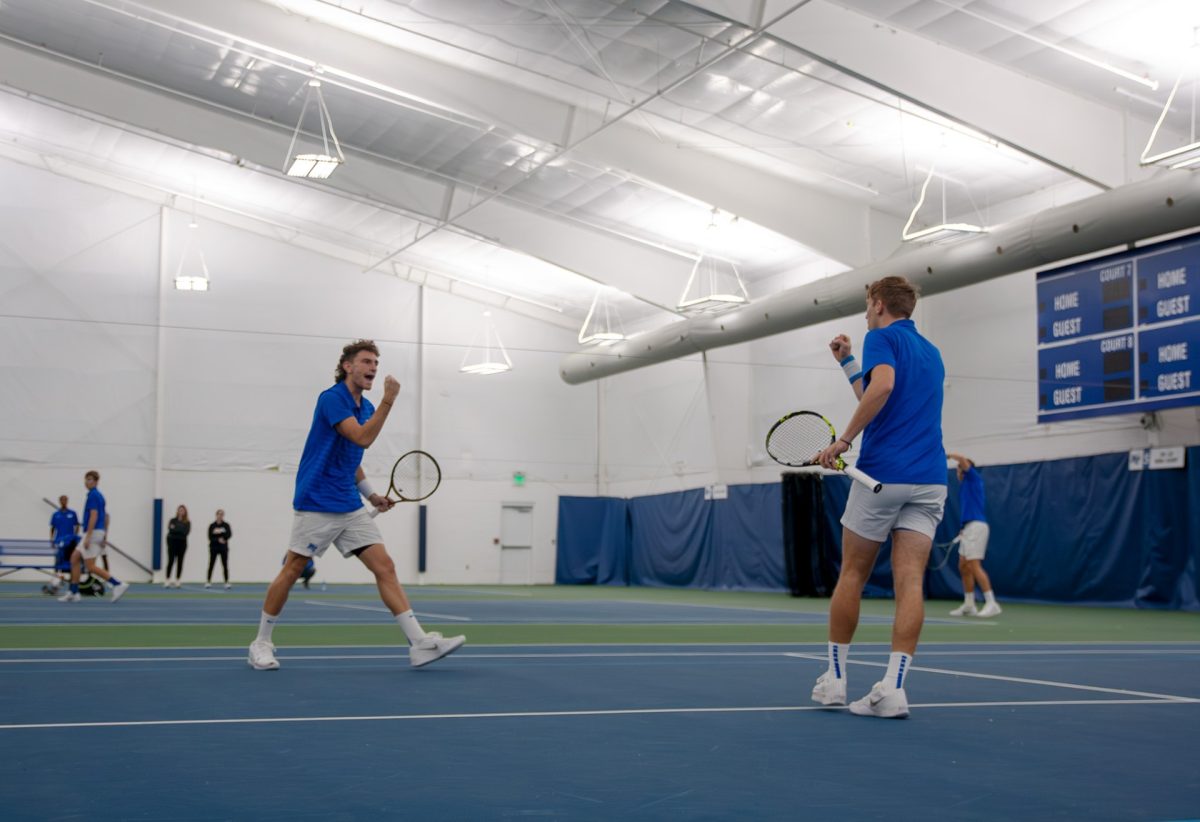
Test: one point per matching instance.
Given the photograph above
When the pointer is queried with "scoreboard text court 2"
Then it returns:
(1120, 334)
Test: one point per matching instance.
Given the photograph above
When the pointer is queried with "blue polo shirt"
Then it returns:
(903, 444)
(64, 523)
(329, 463)
(95, 502)
(970, 492)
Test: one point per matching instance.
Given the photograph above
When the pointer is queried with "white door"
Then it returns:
(516, 544)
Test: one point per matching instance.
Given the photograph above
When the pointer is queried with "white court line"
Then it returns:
(403, 655)
(1020, 679)
(475, 653)
(378, 608)
(884, 646)
(557, 714)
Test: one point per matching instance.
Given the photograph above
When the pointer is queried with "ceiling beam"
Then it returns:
(1076, 135)
(837, 228)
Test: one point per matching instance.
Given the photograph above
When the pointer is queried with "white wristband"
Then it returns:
(851, 368)
(364, 488)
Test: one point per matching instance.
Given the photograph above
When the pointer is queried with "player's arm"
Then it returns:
(91, 526)
(963, 462)
(364, 435)
(870, 403)
(843, 352)
(364, 487)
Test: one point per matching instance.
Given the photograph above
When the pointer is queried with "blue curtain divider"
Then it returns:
(1083, 530)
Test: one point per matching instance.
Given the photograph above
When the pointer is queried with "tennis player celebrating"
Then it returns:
(328, 508)
(899, 389)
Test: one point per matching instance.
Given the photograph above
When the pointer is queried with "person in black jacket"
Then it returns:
(219, 533)
(177, 534)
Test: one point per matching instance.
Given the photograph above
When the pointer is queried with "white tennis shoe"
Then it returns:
(119, 591)
(262, 656)
(990, 609)
(891, 704)
(829, 690)
(433, 647)
(70, 596)
(965, 610)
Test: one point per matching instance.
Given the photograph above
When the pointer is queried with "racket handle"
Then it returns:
(373, 511)
(858, 476)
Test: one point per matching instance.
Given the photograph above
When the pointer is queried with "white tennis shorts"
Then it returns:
(909, 507)
(313, 531)
(95, 547)
(974, 540)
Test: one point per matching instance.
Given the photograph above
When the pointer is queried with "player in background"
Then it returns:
(64, 534)
(92, 543)
(973, 541)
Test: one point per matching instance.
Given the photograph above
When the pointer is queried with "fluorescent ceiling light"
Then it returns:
(313, 166)
(191, 283)
(1182, 156)
(491, 357)
(602, 325)
(483, 368)
(941, 231)
(714, 284)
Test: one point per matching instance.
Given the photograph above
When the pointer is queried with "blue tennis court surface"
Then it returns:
(314, 607)
(998, 731)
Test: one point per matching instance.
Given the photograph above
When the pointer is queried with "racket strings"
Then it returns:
(415, 475)
(798, 439)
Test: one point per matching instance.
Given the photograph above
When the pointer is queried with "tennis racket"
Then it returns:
(942, 550)
(415, 476)
(797, 439)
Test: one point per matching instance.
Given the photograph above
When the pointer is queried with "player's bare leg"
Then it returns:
(380, 563)
(858, 558)
(423, 647)
(910, 555)
(281, 586)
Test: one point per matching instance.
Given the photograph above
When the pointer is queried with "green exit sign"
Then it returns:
(518, 478)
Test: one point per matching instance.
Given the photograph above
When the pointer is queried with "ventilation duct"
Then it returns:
(1168, 202)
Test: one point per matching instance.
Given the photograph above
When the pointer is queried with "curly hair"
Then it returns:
(897, 294)
(349, 352)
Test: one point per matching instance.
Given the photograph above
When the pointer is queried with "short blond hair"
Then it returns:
(897, 294)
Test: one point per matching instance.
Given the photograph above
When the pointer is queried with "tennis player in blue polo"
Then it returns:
(899, 413)
(91, 544)
(973, 541)
(329, 510)
(64, 535)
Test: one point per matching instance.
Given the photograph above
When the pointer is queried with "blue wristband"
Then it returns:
(851, 369)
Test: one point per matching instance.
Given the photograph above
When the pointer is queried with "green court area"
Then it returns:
(598, 615)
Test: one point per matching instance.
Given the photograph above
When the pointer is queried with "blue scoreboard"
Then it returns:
(1120, 334)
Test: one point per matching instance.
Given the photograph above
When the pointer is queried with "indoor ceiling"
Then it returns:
(530, 152)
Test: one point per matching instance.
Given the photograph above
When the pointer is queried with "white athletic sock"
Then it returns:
(989, 597)
(838, 656)
(412, 629)
(265, 625)
(897, 671)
